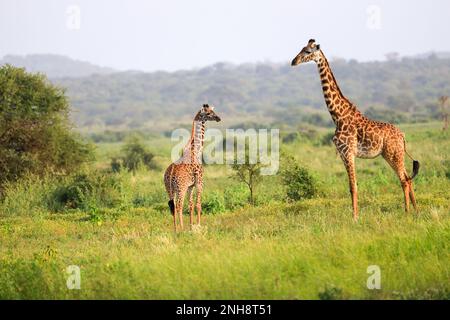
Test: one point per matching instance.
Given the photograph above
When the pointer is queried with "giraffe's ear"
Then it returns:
(318, 47)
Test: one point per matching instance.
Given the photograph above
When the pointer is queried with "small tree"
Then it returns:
(249, 174)
(299, 183)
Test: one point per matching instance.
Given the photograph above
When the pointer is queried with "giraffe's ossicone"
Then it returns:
(185, 174)
(356, 136)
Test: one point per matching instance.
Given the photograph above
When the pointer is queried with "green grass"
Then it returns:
(277, 250)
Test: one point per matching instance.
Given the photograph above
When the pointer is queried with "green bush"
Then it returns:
(88, 191)
(446, 164)
(213, 203)
(235, 197)
(326, 140)
(290, 137)
(331, 292)
(299, 183)
(135, 155)
(35, 135)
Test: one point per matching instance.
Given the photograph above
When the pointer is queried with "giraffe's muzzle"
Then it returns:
(296, 61)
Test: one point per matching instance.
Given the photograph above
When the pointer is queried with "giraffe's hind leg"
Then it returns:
(175, 219)
(395, 160)
(411, 195)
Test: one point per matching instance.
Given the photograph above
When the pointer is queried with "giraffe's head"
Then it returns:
(207, 113)
(308, 53)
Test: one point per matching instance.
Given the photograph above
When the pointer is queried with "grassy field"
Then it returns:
(309, 249)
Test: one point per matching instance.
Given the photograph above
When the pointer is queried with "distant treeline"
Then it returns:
(398, 91)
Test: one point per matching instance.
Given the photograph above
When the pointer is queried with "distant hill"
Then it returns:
(55, 66)
(270, 94)
(438, 54)
(398, 90)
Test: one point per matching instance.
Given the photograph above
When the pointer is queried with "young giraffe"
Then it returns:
(356, 135)
(187, 172)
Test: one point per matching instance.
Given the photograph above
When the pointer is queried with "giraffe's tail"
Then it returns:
(416, 164)
(171, 206)
(168, 182)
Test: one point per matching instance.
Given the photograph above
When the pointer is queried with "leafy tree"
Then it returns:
(249, 174)
(35, 134)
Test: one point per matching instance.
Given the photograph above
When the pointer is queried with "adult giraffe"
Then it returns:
(356, 135)
(187, 172)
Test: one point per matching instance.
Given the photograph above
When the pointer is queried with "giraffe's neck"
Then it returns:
(338, 105)
(193, 150)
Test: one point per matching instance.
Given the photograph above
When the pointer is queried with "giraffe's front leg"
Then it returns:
(199, 186)
(199, 204)
(347, 152)
(350, 166)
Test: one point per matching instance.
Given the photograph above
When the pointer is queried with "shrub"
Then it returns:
(135, 154)
(299, 183)
(446, 164)
(327, 139)
(235, 197)
(35, 135)
(213, 203)
(290, 137)
(331, 292)
(89, 191)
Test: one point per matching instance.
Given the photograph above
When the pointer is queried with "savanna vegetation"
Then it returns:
(294, 238)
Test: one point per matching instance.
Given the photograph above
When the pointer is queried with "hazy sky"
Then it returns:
(181, 34)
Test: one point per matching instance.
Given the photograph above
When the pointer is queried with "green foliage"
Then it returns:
(75, 193)
(290, 137)
(90, 191)
(327, 139)
(213, 203)
(35, 136)
(446, 164)
(135, 154)
(299, 183)
(331, 293)
(235, 196)
(249, 174)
